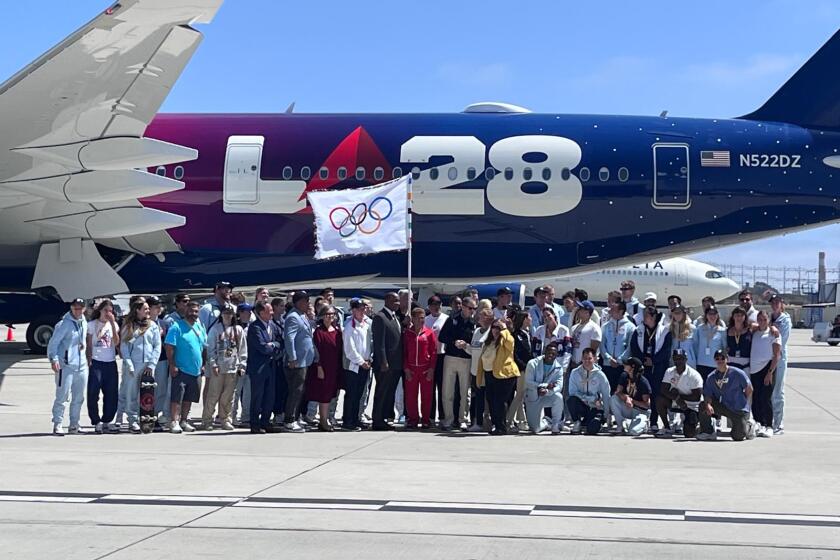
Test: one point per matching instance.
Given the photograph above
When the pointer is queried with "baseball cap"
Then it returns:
(227, 309)
(679, 352)
(223, 284)
(503, 290)
(635, 362)
(152, 300)
(679, 307)
(775, 297)
(720, 353)
(78, 301)
(585, 304)
(299, 296)
(650, 295)
(244, 307)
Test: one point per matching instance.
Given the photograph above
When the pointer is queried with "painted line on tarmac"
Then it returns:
(465, 508)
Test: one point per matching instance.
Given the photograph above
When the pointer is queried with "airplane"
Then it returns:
(99, 194)
(691, 280)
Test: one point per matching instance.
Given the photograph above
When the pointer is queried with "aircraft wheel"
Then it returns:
(833, 343)
(38, 335)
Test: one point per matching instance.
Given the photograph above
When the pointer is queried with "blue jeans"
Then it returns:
(242, 393)
(70, 386)
(534, 409)
(778, 397)
(162, 391)
(130, 392)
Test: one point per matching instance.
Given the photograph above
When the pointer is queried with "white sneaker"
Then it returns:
(778, 431)
(174, 427)
(99, 428)
(475, 428)
(113, 428)
(576, 427)
(227, 426)
(58, 429)
(463, 426)
(763, 431)
(74, 429)
(134, 428)
(294, 427)
(186, 426)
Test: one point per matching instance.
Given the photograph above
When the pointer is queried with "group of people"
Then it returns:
(281, 364)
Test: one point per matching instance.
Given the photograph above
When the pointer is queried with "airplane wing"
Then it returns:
(72, 152)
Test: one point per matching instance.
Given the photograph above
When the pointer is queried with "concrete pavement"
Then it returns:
(419, 495)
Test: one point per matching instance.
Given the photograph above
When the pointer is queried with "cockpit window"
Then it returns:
(714, 274)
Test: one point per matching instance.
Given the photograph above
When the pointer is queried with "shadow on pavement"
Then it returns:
(815, 365)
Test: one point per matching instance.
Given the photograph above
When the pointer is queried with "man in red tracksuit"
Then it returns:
(419, 356)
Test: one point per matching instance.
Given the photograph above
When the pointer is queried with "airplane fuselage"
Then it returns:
(523, 196)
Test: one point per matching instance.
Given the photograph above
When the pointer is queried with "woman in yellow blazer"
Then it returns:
(498, 372)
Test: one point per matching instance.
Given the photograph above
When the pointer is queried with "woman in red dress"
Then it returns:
(323, 376)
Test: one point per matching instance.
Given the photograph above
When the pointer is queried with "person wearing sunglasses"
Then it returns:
(456, 335)
(498, 373)
(726, 392)
(746, 299)
(708, 338)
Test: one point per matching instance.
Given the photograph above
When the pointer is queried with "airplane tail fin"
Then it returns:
(811, 98)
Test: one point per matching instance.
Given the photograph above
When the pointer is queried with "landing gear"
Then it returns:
(38, 334)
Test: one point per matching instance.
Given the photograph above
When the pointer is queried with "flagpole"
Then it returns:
(410, 240)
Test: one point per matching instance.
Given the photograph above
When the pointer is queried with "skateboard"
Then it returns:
(147, 402)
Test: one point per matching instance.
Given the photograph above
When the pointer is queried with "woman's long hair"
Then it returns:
(97, 311)
(133, 322)
(736, 311)
(518, 319)
(681, 331)
(489, 340)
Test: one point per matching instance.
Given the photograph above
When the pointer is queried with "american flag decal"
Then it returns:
(716, 158)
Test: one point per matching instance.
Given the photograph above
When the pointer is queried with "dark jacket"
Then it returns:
(457, 328)
(262, 356)
(387, 340)
(522, 352)
(661, 346)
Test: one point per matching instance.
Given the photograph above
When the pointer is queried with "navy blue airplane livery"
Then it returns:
(99, 195)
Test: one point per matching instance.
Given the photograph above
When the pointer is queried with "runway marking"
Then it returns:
(463, 508)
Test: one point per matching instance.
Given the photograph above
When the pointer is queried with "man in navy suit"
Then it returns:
(263, 354)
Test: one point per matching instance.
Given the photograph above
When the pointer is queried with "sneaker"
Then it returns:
(576, 427)
(206, 426)
(475, 428)
(617, 431)
(174, 427)
(113, 428)
(778, 431)
(99, 428)
(294, 427)
(227, 426)
(761, 431)
(311, 421)
(463, 426)
(74, 429)
(351, 429)
(134, 428)
(58, 429)
(187, 427)
(513, 429)
(703, 436)
(556, 429)
(752, 430)
(665, 433)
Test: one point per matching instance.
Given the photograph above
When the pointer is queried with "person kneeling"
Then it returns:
(680, 393)
(631, 402)
(544, 389)
(726, 393)
(589, 395)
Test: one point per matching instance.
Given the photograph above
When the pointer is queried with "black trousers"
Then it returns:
(613, 375)
(586, 415)
(437, 391)
(762, 405)
(354, 386)
(262, 396)
(499, 392)
(103, 376)
(663, 406)
(383, 395)
(704, 372)
(477, 402)
(281, 391)
(654, 377)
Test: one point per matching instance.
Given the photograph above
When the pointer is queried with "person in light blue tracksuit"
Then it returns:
(544, 389)
(140, 349)
(616, 336)
(781, 320)
(66, 351)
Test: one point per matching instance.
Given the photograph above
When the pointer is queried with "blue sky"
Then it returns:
(715, 58)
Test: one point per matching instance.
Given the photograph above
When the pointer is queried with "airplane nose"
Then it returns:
(733, 285)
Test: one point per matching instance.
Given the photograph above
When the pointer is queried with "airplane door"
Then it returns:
(671, 181)
(680, 275)
(242, 171)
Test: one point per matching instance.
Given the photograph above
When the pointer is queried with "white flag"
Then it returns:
(361, 221)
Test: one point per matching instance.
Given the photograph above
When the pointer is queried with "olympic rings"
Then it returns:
(347, 222)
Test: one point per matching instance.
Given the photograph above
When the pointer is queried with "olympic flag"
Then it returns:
(361, 221)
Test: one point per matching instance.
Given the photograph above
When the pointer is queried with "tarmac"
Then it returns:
(419, 495)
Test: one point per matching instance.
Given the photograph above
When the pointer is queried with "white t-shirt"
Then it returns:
(761, 352)
(685, 383)
(582, 337)
(102, 338)
(436, 323)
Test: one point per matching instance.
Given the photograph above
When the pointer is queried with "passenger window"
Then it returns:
(471, 173)
(623, 174)
(489, 173)
(360, 173)
(323, 173)
(546, 173)
(452, 173)
(287, 173)
(305, 173)
(584, 174)
(604, 174)
(527, 174)
(434, 172)
(342, 173)
(565, 173)
(378, 174)
(396, 173)
(179, 172)
(509, 173)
